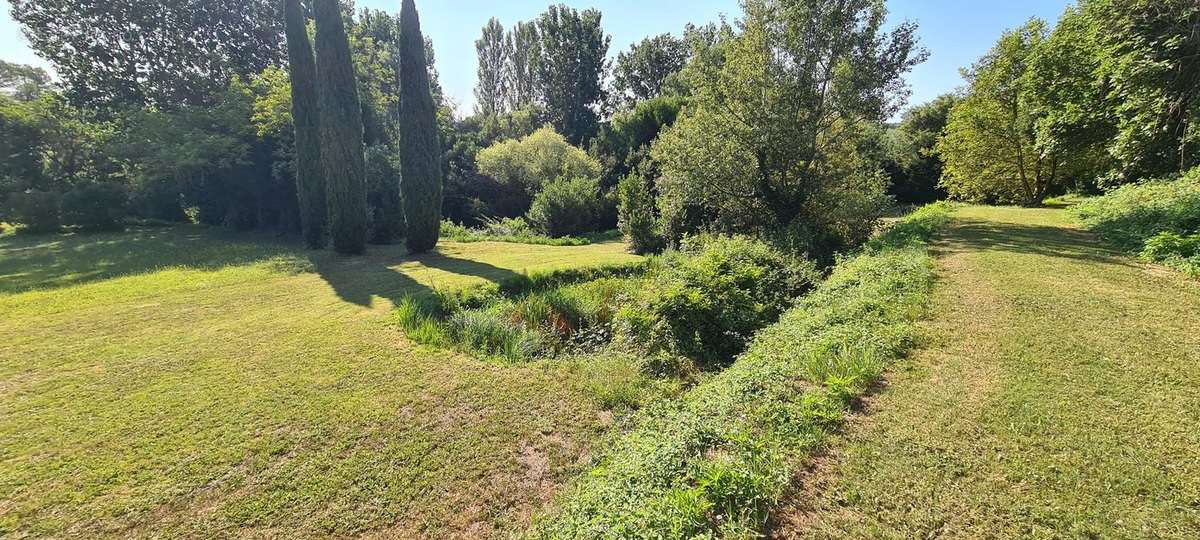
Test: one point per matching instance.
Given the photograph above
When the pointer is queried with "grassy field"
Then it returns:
(184, 382)
(1057, 397)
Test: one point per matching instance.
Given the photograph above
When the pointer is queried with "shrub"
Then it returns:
(95, 207)
(713, 462)
(636, 215)
(712, 297)
(38, 211)
(1132, 214)
(536, 160)
(566, 207)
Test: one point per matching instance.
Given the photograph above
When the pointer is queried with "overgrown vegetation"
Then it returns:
(699, 305)
(714, 461)
(1158, 219)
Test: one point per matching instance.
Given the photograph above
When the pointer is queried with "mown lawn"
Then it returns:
(1058, 396)
(185, 382)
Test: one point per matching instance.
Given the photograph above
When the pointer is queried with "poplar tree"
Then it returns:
(420, 152)
(310, 178)
(491, 91)
(341, 132)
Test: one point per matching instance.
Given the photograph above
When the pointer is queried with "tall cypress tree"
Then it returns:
(310, 177)
(341, 132)
(420, 154)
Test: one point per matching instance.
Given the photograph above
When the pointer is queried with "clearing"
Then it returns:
(187, 382)
(1058, 396)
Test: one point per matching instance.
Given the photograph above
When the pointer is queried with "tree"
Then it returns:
(571, 70)
(23, 83)
(641, 73)
(341, 132)
(1151, 63)
(623, 144)
(915, 168)
(536, 160)
(310, 173)
(136, 52)
(521, 71)
(491, 92)
(991, 147)
(768, 142)
(420, 153)
(566, 207)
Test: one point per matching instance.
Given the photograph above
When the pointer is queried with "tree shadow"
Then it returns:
(361, 279)
(1061, 242)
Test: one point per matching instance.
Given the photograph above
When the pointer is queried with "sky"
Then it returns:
(955, 32)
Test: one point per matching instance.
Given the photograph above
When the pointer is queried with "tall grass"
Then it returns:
(713, 462)
(1160, 220)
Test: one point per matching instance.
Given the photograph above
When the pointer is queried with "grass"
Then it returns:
(713, 462)
(1057, 397)
(184, 382)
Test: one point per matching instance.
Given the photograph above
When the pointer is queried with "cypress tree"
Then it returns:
(341, 132)
(420, 152)
(310, 178)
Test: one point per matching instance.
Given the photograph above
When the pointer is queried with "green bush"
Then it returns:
(708, 300)
(95, 207)
(1133, 214)
(713, 462)
(636, 215)
(38, 211)
(567, 207)
(1179, 252)
(517, 231)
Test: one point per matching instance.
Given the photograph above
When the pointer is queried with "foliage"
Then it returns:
(623, 145)
(566, 207)
(1133, 214)
(420, 154)
(706, 302)
(523, 66)
(1150, 64)
(912, 163)
(95, 207)
(305, 116)
(714, 461)
(991, 147)
(23, 83)
(341, 132)
(638, 219)
(182, 52)
(571, 70)
(534, 161)
(764, 144)
(642, 72)
(38, 211)
(387, 223)
(493, 48)
(517, 231)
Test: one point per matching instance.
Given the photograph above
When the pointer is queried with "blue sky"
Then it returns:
(956, 32)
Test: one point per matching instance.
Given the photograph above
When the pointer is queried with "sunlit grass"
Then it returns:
(185, 382)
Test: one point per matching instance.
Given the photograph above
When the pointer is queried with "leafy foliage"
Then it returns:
(566, 207)
(1133, 214)
(95, 207)
(571, 70)
(638, 219)
(763, 144)
(38, 211)
(643, 72)
(711, 463)
(151, 52)
(532, 162)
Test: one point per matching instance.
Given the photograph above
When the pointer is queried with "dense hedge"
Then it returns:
(713, 462)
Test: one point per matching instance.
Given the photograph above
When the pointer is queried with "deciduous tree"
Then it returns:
(571, 71)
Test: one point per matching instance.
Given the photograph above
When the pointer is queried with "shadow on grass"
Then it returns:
(1059, 242)
(360, 279)
(47, 262)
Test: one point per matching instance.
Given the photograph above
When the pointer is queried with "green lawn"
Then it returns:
(188, 382)
(1058, 395)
